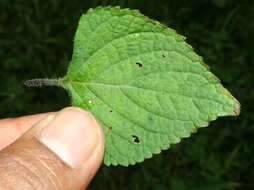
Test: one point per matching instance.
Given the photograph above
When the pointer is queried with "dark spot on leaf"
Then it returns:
(110, 129)
(135, 139)
(110, 111)
(139, 64)
(163, 55)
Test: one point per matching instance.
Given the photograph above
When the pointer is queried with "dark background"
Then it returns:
(36, 40)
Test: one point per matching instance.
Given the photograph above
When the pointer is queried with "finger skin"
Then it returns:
(29, 164)
(12, 128)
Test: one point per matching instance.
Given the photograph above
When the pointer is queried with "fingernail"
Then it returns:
(73, 135)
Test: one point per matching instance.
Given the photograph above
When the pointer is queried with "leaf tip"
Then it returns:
(237, 109)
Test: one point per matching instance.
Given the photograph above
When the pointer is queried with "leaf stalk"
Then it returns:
(42, 82)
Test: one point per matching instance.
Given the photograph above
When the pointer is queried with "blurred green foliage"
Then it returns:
(36, 39)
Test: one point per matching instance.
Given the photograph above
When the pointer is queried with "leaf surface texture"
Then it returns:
(143, 83)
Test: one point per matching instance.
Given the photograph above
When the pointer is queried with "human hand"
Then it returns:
(58, 150)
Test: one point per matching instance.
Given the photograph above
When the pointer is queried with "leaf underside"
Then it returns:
(143, 83)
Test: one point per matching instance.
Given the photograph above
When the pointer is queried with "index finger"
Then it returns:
(12, 128)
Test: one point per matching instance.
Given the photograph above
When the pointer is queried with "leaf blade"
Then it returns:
(143, 82)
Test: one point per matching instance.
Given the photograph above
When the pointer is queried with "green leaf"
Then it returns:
(143, 83)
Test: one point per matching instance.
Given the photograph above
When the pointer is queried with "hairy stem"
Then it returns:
(42, 82)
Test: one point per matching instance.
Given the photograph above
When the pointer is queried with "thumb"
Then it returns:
(62, 151)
